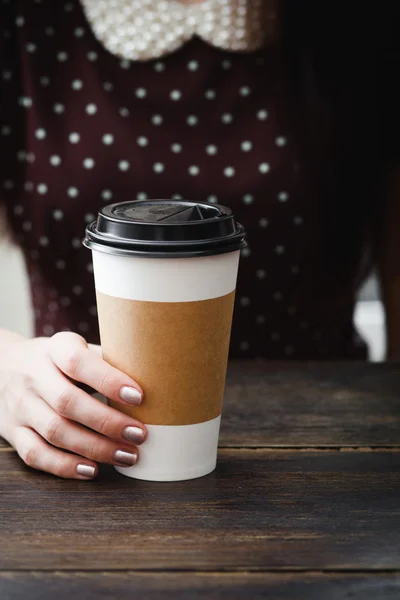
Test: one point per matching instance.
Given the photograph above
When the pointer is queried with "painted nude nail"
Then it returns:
(127, 458)
(86, 470)
(131, 395)
(134, 434)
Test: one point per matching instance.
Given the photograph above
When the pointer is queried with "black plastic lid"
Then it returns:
(165, 229)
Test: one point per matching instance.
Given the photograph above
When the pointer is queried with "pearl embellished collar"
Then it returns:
(147, 29)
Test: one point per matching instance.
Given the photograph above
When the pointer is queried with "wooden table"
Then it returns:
(304, 504)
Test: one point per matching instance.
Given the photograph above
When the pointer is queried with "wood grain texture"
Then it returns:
(259, 510)
(198, 586)
(316, 404)
(236, 533)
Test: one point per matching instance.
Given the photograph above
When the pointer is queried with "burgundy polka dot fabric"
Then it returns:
(81, 128)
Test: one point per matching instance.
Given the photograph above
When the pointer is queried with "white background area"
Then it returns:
(15, 309)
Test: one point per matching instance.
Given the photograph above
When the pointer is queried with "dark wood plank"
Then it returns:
(198, 586)
(259, 510)
(316, 404)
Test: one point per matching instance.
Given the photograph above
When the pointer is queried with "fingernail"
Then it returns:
(131, 395)
(127, 458)
(134, 434)
(86, 470)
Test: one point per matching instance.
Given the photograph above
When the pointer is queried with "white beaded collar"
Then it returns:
(147, 29)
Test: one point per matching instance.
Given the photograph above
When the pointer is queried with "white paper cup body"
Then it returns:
(170, 452)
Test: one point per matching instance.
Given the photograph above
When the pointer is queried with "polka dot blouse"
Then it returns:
(81, 128)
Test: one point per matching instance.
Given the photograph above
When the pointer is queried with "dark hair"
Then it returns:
(340, 59)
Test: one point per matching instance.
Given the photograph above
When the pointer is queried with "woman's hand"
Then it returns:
(54, 425)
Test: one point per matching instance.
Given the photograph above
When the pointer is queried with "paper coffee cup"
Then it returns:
(165, 276)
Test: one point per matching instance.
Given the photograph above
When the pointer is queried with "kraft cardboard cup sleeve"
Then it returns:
(165, 276)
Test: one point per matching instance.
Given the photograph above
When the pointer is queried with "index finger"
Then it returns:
(71, 354)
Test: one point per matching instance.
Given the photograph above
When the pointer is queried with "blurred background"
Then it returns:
(15, 309)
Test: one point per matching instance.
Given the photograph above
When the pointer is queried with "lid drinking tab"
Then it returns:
(165, 229)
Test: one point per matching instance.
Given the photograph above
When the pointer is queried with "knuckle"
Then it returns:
(57, 337)
(52, 431)
(63, 337)
(16, 401)
(56, 341)
(104, 424)
(16, 389)
(63, 401)
(72, 362)
(95, 451)
(104, 381)
(28, 383)
(30, 456)
(66, 351)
